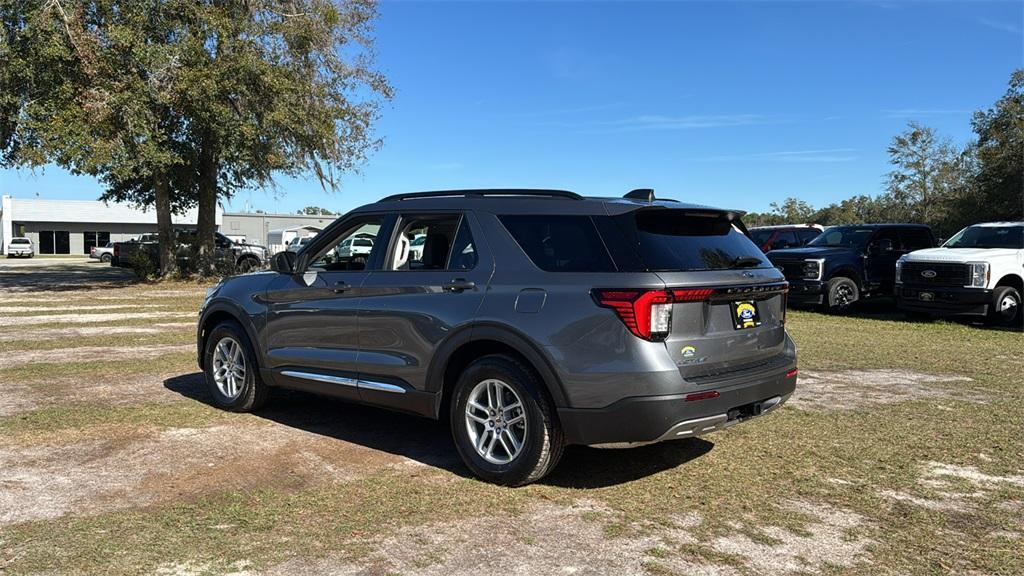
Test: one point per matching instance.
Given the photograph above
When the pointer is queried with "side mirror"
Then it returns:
(284, 262)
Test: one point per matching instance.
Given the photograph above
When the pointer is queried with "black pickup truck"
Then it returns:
(846, 264)
(242, 257)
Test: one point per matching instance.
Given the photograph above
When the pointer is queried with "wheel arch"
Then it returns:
(847, 271)
(1013, 280)
(217, 313)
(479, 340)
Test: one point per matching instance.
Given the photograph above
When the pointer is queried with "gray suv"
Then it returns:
(530, 319)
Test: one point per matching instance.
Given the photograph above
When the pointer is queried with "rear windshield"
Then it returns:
(677, 240)
(20, 241)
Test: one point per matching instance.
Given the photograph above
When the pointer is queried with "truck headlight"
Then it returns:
(899, 270)
(979, 274)
(813, 268)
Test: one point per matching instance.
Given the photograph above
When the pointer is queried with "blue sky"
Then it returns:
(728, 103)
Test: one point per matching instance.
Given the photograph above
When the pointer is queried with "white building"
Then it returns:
(75, 226)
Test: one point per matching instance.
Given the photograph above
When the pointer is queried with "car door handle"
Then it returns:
(458, 285)
(340, 286)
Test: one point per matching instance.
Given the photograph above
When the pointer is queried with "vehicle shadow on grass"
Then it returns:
(429, 442)
(59, 277)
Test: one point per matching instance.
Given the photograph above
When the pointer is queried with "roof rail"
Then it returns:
(485, 192)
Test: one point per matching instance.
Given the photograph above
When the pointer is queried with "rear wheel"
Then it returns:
(841, 293)
(1006, 307)
(248, 265)
(503, 423)
(105, 258)
(232, 374)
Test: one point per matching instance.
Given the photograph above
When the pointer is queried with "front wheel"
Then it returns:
(503, 423)
(232, 374)
(1006, 307)
(841, 293)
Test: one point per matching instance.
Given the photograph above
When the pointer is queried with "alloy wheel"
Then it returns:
(229, 367)
(496, 421)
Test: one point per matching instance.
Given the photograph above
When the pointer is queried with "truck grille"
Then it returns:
(792, 270)
(935, 274)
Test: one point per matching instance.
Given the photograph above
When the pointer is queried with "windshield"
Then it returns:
(760, 236)
(845, 236)
(988, 237)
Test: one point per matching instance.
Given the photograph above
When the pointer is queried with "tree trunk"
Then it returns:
(164, 226)
(207, 225)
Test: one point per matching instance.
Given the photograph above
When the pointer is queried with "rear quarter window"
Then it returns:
(560, 243)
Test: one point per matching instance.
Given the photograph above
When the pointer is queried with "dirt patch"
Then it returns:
(556, 539)
(547, 539)
(16, 358)
(858, 389)
(141, 467)
(77, 307)
(90, 331)
(941, 487)
(89, 318)
(17, 397)
(826, 541)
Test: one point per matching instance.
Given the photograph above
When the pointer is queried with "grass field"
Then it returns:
(902, 453)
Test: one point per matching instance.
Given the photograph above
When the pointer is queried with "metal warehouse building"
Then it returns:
(75, 226)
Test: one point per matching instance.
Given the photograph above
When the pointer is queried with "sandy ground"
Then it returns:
(16, 358)
(36, 334)
(858, 389)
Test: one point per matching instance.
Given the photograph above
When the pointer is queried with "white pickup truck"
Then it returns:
(978, 272)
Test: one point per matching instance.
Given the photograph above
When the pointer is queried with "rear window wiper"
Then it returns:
(745, 262)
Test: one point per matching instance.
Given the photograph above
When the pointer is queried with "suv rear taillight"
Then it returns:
(648, 313)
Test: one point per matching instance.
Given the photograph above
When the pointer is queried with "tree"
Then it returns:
(84, 85)
(997, 187)
(175, 103)
(273, 88)
(315, 211)
(928, 174)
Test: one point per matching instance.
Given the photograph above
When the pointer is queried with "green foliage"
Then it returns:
(175, 103)
(935, 183)
(316, 211)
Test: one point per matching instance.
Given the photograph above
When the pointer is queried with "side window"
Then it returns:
(464, 250)
(351, 249)
(560, 243)
(915, 239)
(888, 234)
(807, 235)
(424, 242)
(785, 239)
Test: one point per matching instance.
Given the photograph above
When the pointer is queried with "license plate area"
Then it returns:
(745, 315)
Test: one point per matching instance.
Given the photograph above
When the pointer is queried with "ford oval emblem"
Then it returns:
(929, 273)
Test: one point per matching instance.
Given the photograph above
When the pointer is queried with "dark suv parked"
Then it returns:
(529, 319)
(849, 263)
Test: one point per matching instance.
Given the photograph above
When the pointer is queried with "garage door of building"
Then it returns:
(54, 242)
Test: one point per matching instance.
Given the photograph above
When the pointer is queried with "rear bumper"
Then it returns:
(17, 252)
(657, 418)
(944, 301)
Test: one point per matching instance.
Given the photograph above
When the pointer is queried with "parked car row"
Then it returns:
(239, 256)
(976, 273)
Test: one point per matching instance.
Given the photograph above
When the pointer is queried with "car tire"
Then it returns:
(106, 258)
(232, 389)
(247, 265)
(533, 422)
(841, 294)
(1006, 307)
